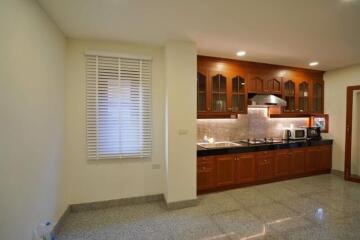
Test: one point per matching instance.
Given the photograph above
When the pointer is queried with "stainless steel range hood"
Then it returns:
(260, 100)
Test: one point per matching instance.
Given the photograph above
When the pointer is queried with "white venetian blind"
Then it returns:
(118, 106)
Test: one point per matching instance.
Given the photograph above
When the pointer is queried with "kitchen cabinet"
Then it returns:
(233, 170)
(224, 87)
(290, 96)
(202, 92)
(205, 173)
(273, 86)
(303, 97)
(326, 157)
(225, 169)
(264, 165)
(283, 162)
(318, 97)
(238, 94)
(245, 168)
(297, 165)
(256, 84)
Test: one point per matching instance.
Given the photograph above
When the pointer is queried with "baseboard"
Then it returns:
(115, 203)
(60, 222)
(337, 172)
(182, 204)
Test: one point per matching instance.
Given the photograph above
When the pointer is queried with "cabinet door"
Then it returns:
(225, 168)
(202, 92)
(238, 95)
(273, 86)
(256, 84)
(205, 173)
(303, 99)
(283, 160)
(219, 96)
(298, 161)
(318, 97)
(326, 157)
(289, 95)
(312, 161)
(264, 166)
(245, 168)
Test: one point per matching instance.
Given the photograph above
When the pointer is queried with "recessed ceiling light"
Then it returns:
(240, 53)
(312, 64)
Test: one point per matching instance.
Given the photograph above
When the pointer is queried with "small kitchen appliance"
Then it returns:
(313, 133)
(295, 134)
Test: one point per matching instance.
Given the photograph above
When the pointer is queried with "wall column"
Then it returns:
(180, 153)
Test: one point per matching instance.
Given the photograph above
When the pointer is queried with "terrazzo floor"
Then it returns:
(319, 207)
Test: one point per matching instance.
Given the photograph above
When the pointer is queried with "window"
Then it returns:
(118, 106)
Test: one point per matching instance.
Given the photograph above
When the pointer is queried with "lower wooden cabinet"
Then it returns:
(245, 168)
(205, 173)
(234, 170)
(225, 169)
(283, 162)
(264, 165)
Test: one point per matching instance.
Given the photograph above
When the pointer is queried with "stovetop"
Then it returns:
(258, 141)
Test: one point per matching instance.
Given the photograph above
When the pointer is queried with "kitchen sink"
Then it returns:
(218, 145)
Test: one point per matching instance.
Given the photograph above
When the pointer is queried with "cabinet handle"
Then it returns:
(208, 109)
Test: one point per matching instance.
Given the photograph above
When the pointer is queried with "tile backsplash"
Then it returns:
(255, 124)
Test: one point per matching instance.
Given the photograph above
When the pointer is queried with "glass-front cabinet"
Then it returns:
(289, 96)
(218, 93)
(303, 97)
(201, 92)
(238, 95)
(317, 98)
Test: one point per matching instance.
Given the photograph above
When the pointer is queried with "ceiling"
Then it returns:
(287, 32)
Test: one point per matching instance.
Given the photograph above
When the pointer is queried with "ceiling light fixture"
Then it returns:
(312, 64)
(241, 53)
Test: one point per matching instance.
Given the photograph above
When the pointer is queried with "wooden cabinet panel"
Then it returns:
(298, 161)
(312, 160)
(273, 86)
(245, 168)
(283, 160)
(225, 169)
(264, 165)
(256, 84)
(317, 97)
(326, 157)
(205, 173)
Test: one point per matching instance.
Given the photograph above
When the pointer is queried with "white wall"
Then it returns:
(180, 61)
(336, 82)
(31, 118)
(89, 181)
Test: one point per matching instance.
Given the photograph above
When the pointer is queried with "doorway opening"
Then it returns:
(352, 141)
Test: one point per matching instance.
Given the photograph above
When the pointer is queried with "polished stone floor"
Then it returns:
(319, 207)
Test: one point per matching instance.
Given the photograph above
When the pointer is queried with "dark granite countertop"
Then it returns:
(244, 147)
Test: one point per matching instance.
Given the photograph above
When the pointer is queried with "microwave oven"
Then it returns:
(295, 134)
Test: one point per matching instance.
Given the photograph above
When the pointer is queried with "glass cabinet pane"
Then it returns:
(289, 88)
(304, 97)
(238, 94)
(201, 92)
(218, 93)
(317, 97)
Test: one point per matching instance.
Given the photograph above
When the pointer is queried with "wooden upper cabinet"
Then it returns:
(289, 96)
(303, 97)
(219, 92)
(238, 94)
(273, 85)
(202, 92)
(256, 84)
(318, 97)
